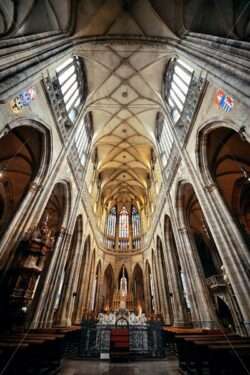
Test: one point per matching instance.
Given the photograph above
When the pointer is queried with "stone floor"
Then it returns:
(169, 366)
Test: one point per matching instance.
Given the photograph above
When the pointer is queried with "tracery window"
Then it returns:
(125, 233)
(136, 224)
(165, 140)
(177, 80)
(70, 76)
(83, 138)
(112, 222)
(123, 223)
(136, 244)
(165, 143)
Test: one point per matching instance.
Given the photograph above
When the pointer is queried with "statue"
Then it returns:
(123, 290)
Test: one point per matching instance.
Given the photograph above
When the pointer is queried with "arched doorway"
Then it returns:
(108, 289)
(199, 230)
(227, 160)
(224, 314)
(20, 163)
(138, 289)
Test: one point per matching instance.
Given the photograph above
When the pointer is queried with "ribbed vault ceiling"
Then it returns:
(125, 84)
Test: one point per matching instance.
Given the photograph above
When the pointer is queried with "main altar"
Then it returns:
(144, 335)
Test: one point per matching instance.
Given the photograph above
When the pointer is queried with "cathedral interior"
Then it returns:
(124, 170)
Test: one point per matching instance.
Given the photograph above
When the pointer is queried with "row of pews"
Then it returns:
(208, 352)
(38, 351)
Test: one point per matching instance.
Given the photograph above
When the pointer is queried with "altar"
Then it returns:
(144, 337)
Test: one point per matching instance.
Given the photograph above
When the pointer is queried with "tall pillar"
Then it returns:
(175, 289)
(164, 292)
(205, 316)
(46, 295)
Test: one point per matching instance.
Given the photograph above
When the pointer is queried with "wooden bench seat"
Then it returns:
(193, 351)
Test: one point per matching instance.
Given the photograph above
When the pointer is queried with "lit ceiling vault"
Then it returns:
(125, 85)
(126, 45)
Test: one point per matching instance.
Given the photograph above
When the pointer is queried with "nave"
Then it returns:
(124, 185)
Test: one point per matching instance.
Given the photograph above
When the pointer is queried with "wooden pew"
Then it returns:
(225, 359)
(193, 350)
(41, 349)
(40, 359)
(169, 334)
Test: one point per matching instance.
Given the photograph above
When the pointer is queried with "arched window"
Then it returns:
(177, 80)
(136, 223)
(83, 138)
(165, 142)
(123, 223)
(70, 76)
(164, 138)
(112, 222)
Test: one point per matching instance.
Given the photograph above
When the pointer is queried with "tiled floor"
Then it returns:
(169, 366)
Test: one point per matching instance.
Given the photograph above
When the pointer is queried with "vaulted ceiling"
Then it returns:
(125, 84)
(218, 17)
(124, 71)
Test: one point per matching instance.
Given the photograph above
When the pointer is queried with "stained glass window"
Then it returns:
(111, 222)
(136, 224)
(123, 223)
(110, 243)
(136, 244)
(123, 244)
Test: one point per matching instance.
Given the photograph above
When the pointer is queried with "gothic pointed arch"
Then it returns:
(138, 289)
(108, 288)
(24, 162)
(224, 161)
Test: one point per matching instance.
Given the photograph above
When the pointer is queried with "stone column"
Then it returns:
(147, 294)
(163, 292)
(177, 298)
(45, 296)
(230, 245)
(155, 288)
(90, 284)
(66, 307)
(81, 297)
(206, 310)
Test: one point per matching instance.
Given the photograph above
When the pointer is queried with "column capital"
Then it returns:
(183, 230)
(209, 188)
(35, 187)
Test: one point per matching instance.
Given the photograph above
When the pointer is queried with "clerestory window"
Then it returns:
(177, 80)
(83, 138)
(70, 75)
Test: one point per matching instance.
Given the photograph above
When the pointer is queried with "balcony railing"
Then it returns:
(216, 281)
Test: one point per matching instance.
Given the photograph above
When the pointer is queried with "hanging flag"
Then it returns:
(224, 101)
(23, 100)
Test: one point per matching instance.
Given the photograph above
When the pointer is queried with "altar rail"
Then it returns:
(144, 341)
